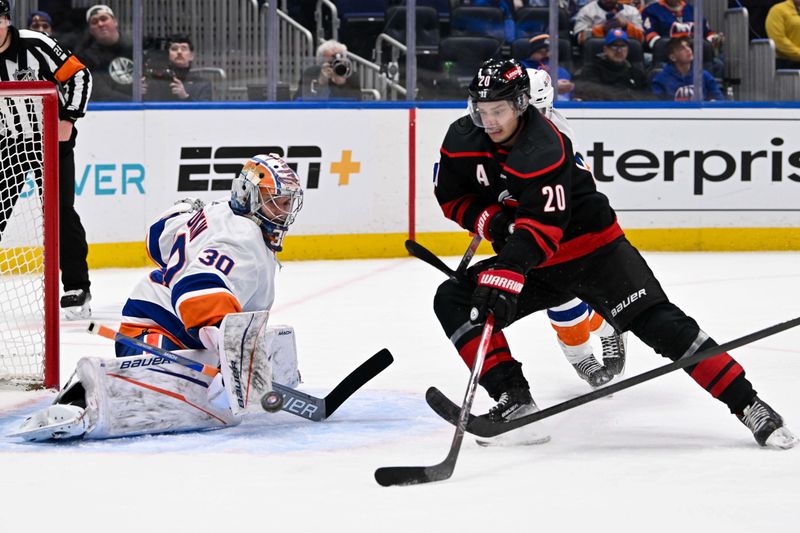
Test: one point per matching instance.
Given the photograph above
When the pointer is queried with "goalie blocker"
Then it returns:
(148, 394)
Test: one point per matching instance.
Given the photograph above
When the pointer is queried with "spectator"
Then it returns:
(331, 78)
(676, 81)
(673, 18)
(506, 6)
(538, 57)
(40, 21)
(783, 27)
(30, 56)
(176, 81)
(108, 55)
(597, 18)
(611, 76)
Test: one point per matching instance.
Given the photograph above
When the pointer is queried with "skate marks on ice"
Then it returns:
(368, 418)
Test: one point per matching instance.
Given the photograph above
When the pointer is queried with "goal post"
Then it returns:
(29, 237)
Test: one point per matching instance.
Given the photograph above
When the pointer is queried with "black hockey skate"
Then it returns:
(767, 425)
(593, 372)
(75, 304)
(614, 352)
(514, 403)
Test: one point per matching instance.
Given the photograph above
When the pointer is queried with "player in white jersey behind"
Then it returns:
(212, 288)
(575, 320)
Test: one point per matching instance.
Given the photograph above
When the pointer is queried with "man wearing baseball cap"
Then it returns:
(537, 55)
(108, 55)
(610, 76)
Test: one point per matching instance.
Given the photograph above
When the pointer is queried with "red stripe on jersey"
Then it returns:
(546, 169)
(497, 352)
(541, 232)
(707, 371)
(540, 242)
(551, 232)
(584, 245)
(466, 154)
(455, 209)
(447, 208)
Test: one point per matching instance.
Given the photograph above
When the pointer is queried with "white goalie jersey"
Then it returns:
(211, 262)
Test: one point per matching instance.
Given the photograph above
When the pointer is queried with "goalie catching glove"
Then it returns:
(497, 293)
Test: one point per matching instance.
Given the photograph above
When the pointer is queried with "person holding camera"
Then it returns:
(176, 81)
(331, 78)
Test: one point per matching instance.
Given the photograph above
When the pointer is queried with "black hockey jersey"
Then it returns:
(558, 213)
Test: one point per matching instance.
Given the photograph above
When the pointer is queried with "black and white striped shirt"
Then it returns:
(33, 56)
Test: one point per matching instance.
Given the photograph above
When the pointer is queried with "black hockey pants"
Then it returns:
(616, 282)
(73, 247)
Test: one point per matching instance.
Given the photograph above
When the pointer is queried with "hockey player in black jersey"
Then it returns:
(507, 172)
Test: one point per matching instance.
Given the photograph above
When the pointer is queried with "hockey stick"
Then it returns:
(411, 475)
(420, 252)
(294, 402)
(481, 426)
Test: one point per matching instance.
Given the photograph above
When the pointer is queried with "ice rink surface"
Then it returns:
(662, 456)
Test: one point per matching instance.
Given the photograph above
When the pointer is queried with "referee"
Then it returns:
(29, 56)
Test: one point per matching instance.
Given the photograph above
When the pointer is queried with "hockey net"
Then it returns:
(29, 345)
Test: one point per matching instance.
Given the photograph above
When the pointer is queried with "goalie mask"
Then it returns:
(268, 191)
(498, 80)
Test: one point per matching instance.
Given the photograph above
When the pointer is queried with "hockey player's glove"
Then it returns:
(501, 226)
(497, 293)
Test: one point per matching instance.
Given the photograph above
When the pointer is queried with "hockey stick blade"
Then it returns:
(357, 379)
(480, 426)
(420, 252)
(413, 475)
(444, 407)
(390, 476)
(318, 409)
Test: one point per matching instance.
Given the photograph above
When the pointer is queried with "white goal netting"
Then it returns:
(22, 222)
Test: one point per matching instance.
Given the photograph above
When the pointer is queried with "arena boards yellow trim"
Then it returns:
(366, 246)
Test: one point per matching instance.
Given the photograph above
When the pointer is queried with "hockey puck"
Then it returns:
(272, 402)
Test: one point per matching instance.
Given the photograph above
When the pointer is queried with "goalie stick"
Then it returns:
(482, 427)
(295, 402)
(412, 475)
(420, 252)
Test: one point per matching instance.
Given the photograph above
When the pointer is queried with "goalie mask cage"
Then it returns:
(29, 345)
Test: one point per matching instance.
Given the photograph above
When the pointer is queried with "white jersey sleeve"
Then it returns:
(161, 235)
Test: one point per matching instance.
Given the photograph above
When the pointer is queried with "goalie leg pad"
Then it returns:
(244, 359)
(251, 356)
(283, 354)
(147, 394)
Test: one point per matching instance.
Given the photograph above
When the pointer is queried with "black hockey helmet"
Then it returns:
(5, 9)
(499, 79)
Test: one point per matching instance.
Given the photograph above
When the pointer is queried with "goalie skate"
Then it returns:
(57, 422)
